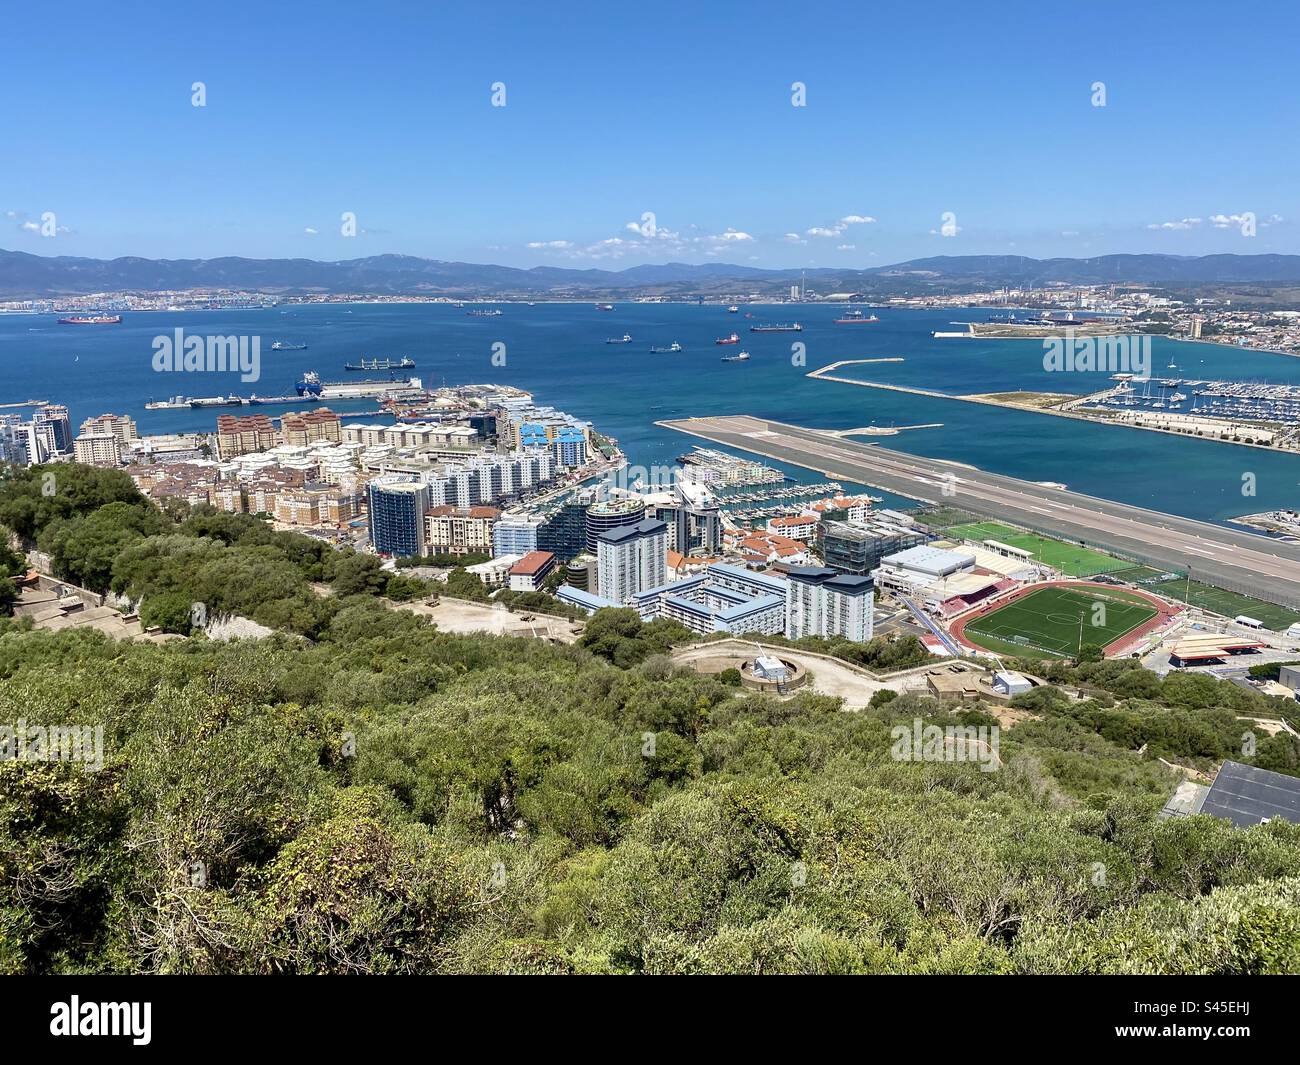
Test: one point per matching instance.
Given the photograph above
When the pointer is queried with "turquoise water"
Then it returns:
(558, 352)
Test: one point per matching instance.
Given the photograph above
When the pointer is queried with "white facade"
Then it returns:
(631, 559)
(821, 602)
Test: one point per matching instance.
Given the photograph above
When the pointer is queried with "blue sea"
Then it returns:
(558, 352)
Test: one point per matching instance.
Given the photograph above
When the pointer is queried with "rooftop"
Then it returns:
(532, 564)
(1246, 795)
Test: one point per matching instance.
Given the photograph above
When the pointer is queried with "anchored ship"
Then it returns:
(626, 338)
(671, 349)
(778, 327)
(495, 312)
(91, 319)
(855, 318)
(740, 356)
(733, 339)
(406, 363)
(284, 345)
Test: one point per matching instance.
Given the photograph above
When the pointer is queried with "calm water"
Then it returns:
(558, 353)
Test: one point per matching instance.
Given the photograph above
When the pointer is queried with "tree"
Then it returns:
(356, 574)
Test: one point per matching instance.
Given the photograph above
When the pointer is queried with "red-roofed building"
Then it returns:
(802, 527)
(529, 572)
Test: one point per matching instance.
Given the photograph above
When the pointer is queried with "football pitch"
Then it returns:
(1049, 620)
(1070, 559)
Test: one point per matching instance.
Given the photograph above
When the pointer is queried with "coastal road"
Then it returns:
(1238, 561)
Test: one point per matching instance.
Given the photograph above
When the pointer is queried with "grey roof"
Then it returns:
(846, 582)
(813, 574)
(619, 533)
(1246, 795)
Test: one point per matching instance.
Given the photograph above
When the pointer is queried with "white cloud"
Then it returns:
(310, 231)
(1228, 221)
(558, 244)
(836, 229)
(794, 238)
(1183, 223)
(845, 247)
(733, 235)
(31, 227)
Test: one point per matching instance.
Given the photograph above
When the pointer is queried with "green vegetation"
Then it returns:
(382, 797)
(881, 654)
(1071, 559)
(1060, 621)
(441, 560)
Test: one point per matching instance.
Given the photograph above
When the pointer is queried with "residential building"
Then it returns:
(531, 571)
(121, 426)
(612, 514)
(301, 429)
(822, 602)
(631, 558)
(397, 509)
(244, 434)
(460, 530)
(801, 527)
(516, 534)
(98, 449)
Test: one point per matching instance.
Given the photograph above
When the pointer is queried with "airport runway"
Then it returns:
(1238, 561)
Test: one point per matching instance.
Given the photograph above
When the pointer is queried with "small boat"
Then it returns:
(626, 338)
(733, 309)
(740, 356)
(671, 349)
(604, 306)
(733, 339)
(284, 345)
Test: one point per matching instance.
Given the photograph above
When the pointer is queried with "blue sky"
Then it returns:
(682, 110)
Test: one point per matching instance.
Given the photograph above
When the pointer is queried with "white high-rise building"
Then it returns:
(822, 602)
(631, 558)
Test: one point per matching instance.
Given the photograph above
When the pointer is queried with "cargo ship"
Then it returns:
(855, 318)
(740, 356)
(310, 385)
(494, 312)
(604, 306)
(91, 319)
(174, 403)
(406, 363)
(282, 345)
(671, 349)
(733, 339)
(778, 327)
(626, 338)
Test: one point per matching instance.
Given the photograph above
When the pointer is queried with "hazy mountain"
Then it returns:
(23, 275)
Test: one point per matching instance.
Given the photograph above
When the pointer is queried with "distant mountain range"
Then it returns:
(25, 276)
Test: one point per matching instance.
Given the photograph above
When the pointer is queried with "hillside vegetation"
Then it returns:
(363, 793)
